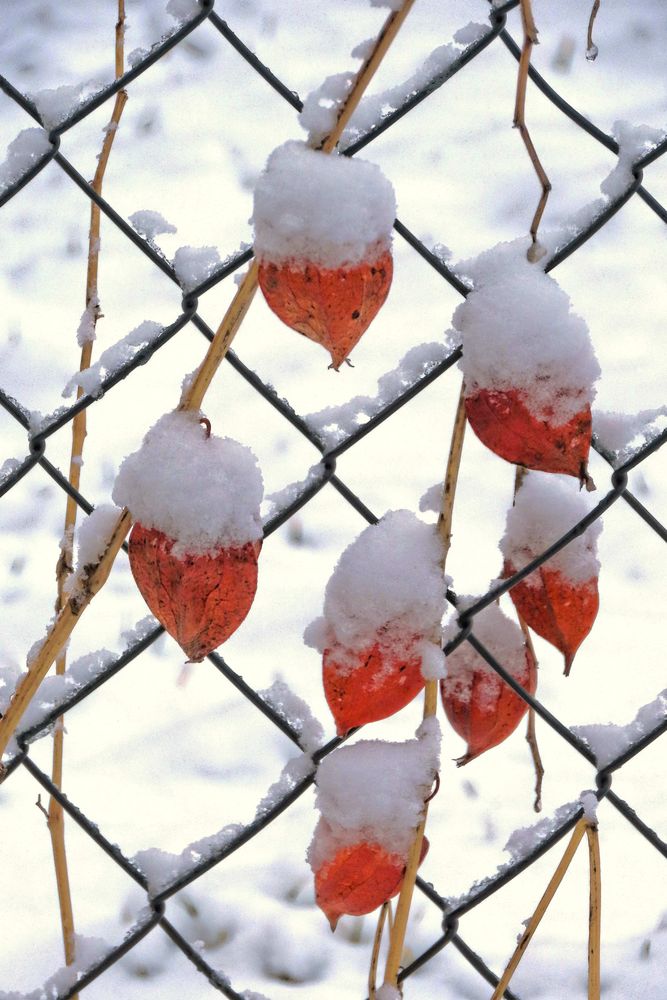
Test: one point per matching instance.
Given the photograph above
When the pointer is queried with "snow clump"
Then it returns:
(609, 742)
(113, 359)
(328, 210)
(194, 265)
(22, 154)
(519, 333)
(56, 105)
(150, 224)
(388, 586)
(92, 541)
(374, 791)
(547, 506)
(204, 492)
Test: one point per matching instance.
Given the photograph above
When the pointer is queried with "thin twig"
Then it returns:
(531, 734)
(595, 913)
(541, 909)
(591, 47)
(366, 73)
(56, 821)
(375, 954)
(531, 739)
(397, 939)
(530, 39)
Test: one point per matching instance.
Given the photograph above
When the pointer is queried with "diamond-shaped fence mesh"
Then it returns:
(614, 493)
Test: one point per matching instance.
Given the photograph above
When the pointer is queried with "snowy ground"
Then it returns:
(159, 757)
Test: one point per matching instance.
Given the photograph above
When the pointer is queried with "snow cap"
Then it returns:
(388, 584)
(546, 507)
(326, 209)
(202, 491)
(519, 333)
(374, 791)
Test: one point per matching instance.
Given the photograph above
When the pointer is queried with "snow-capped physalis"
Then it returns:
(559, 600)
(528, 364)
(481, 707)
(380, 630)
(323, 242)
(193, 549)
(371, 799)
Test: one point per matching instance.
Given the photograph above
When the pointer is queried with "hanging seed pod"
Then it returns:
(323, 241)
(528, 364)
(193, 549)
(481, 707)
(559, 600)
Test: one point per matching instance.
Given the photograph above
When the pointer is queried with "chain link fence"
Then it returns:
(614, 495)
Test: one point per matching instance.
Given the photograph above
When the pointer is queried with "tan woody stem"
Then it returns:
(397, 939)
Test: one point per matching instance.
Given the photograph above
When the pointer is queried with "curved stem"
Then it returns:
(529, 39)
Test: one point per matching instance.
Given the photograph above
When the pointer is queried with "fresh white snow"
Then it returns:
(546, 507)
(388, 586)
(327, 210)
(205, 492)
(519, 332)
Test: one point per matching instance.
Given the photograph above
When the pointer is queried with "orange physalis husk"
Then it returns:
(358, 879)
(199, 599)
(483, 709)
(333, 307)
(560, 610)
(378, 683)
(503, 422)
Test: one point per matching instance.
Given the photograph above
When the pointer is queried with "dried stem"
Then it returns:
(375, 954)
(591, 47)
(531, 735)
(397, 939)
(197, 388)
(595, 913)
(366, 73)
(531, 739)
(55, 816)
(529, 39)
(191, 400)
(541, 909)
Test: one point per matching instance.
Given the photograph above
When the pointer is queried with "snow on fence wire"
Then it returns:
(324, 474)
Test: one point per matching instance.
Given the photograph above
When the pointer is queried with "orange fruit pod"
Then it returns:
(558, 609)
(331, 306)
(199, 599)
(559, 600)
(504, 423)
(358, 879)
(371, 798)
(380, 631)
(366, 685)
(194, 498)
(528, 363)
(323, 242)
(481, 707)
